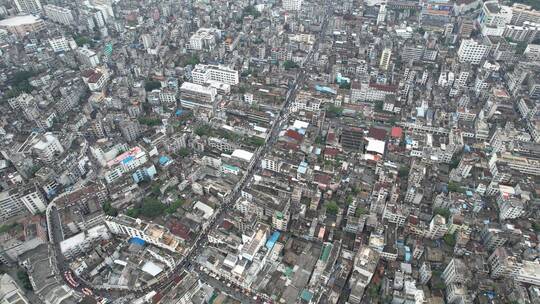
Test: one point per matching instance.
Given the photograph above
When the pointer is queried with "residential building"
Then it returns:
(59, 14)
(472, 51)
(28, 6)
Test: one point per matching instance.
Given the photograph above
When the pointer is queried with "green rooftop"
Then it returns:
(326, 252)
(306, 295)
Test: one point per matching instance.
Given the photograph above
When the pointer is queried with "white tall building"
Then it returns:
(28, 6)
(472, 52)
(201, 74)
(88, 57)
(47, 146)
(292, 5)
(146, 40)
(59, 14)
(59, 44)
(195, 95)
(32, 198)
(10, 205)
(385, 58)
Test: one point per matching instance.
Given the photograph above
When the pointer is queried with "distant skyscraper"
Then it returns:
(292, 5)
(385, 58)
(28, 6)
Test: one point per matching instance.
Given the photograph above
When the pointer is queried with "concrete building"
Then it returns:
(292, 5)
(456, 272)
(10, 292)
(196, 95)
(154, 234)
(59, 14)
(385, 59)
(22, 25)
(10, 205)
(472, 51)
(59, 44)
(88, 57)
(28, 6)
(47, 146)
(204, 39)
(201, 74)
(503, 264)
(33, 199)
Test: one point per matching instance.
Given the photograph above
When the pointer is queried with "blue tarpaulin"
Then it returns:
(272, 240)
(137, 240)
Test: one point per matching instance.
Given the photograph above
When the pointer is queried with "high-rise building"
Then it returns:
(425, 273)
(28, 6)
(196, 95)
(59, 14)
(33, 199)
(130, 130)
(385, 58)
(201, 74)
(10, 205)
(503, 264)
(472, 52)
(292, 5)
(146, 40)
(59, 44)
(456, 272)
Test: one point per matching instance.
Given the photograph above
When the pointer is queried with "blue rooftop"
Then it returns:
(272, 240)
(163, 160)
(127, 159)
(137, 241)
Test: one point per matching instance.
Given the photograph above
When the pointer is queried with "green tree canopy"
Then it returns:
(109, 209)
(332, 207)
(289, 64)
(151, 85)
(152, 207)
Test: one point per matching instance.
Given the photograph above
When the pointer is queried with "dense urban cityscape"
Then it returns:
(270, 151)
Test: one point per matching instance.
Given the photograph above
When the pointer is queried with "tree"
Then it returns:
(345, 85)
(332, 207)
(289, 64)
(403, 171)
(203, 130)
(152, 207)
(251, 11)
(174, 206)
(151, 85)
(183, 152)
(360, 211)
(82, 40)
(10, 227)
(453, 187)
(442, 212)
(449, 239)
(23, 278)
(256, 141)
(109, 209)
(156, 189)
(133, 212)
(150, 121)
(334, 111)
(379, 105)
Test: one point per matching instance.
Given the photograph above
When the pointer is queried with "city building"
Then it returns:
(59, 14)
(28, 6)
